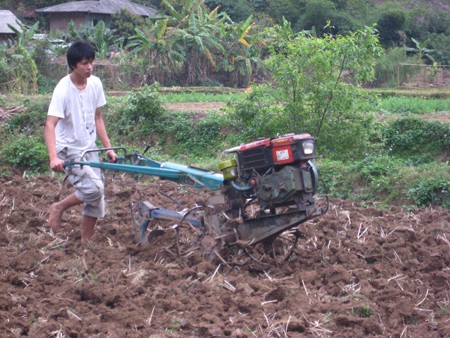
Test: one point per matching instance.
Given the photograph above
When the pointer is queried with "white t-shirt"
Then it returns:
(76, 130)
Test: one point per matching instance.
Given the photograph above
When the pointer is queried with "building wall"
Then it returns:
(60, 21)
(95, 18)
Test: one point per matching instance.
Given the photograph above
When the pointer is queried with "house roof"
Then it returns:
(7, 17)
(100, 7)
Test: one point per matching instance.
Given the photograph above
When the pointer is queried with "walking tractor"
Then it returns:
(267, 189)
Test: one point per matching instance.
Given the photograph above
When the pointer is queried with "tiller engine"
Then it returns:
(268, 188)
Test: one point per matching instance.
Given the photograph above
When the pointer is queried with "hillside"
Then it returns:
(438, 5)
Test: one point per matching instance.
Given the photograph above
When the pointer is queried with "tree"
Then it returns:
(99, 35)
(124, 23)
(152, 45)
(391, 27)
(17, 65)
(440, 44)
(195, 45)
(288, 9)
(421, 50)
(241, 52)
(236, 10)
(315, 88)
(316, 15)
(195, 33)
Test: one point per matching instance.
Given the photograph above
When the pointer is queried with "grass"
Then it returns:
(423, 101)
(441, 93)
(209, 90)
(420, 102)
(199, 97)
(409, 105)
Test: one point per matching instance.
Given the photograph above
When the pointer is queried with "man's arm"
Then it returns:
(50, 140)
(102, 134)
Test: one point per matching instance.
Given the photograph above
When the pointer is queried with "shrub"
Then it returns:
(30, 120)
(416, 137)
(205, 135)
(25, 153)
(379, 175)
(181, 133)
(430, 185)
(258, 114)
(315, 89)
(387, 179)
(373, 167)
(141, 108)
(335, 179)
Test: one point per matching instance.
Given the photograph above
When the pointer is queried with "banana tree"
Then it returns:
(152, 44)
(18, 62)
(240, 56)
(196, 34)
(101, 37)
(421, 50)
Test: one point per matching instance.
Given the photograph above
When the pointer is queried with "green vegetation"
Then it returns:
(221, 42)
(139, 112)
(21, 140)
(413, 137)
(409, 105)
(422, 93)
(142, 118)
(386, 179)
(200, 97)
(364, 312)
(309, 92)
(405, 166)
(18, 69)
(175, 326)
(311, 67)
(387, 67)
(33, 116)
(25, 153)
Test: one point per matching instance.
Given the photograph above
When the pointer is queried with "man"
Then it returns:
(74, 122)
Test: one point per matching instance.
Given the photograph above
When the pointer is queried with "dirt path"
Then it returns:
(359, 272)
(196, 107)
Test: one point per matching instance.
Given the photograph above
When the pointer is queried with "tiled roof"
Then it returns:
(100, 7)
(7, 17)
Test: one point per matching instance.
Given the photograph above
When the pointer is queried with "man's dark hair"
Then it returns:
(78, 51)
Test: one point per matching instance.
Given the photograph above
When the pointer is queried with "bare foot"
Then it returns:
(54, 217)
(88, 243)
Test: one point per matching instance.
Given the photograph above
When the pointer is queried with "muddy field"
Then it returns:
(358, 272)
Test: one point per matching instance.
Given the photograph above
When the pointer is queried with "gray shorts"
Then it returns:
(88, 183)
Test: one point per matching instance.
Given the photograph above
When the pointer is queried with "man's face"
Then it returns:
(84, 68)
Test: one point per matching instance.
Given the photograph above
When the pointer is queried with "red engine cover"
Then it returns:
(270, 151)
(282, 151)
(267, 142)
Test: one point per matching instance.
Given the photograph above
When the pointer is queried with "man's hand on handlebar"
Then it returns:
(112, 156)
(57, 165)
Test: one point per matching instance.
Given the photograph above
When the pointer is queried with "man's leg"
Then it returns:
(87, 228)
(89, 192)
(92, 189)
(57, 210)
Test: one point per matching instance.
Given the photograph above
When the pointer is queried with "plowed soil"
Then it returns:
(356, 272)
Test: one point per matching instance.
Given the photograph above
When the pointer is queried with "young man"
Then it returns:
(74, 122)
